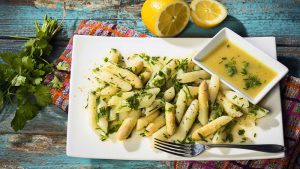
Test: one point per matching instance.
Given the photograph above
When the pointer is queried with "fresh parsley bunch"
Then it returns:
(21, 74)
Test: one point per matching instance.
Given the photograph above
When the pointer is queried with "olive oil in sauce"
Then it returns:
(239, 68)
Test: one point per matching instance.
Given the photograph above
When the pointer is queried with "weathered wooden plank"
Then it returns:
(284, 37)
(49, 151)
(50, 121)
(270, 9)
(283, 22)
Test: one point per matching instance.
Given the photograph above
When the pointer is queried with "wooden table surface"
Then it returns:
(43, 141)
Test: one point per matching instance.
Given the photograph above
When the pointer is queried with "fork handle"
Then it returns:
(269, 148)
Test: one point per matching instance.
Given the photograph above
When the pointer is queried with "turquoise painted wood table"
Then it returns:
(42, 143)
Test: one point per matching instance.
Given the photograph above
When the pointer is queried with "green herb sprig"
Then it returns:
(133, 101)
(21, 74)
(231, 67)
(252, 81)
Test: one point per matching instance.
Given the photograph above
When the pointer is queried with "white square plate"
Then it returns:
(91, 50)
(228, 34)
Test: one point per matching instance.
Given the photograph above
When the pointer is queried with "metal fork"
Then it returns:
(191, 150)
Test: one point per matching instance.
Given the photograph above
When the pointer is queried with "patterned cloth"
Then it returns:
(290, 88)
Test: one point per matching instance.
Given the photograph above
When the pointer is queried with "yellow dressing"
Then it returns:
(239, 68)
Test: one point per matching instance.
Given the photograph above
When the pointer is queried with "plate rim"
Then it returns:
(70, 153)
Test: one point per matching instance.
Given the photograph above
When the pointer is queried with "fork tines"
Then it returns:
(184, 150)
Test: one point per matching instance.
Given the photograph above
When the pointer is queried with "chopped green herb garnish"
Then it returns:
(87, 102)
(160, 73)
(229, 137)
(123, 77)
(251, 82)
(234, 97)
(253, 109)
(254, 134)
(231, 67)
(159, 82)
(98, 100)
(119, 94)
(165, 136)
(142, 77)
(117, 116)
(96, 69)
(244, 69)
(171, 109)
(114, 128)
(144, 57)
(113, 50)
(151, 60)
(216, 111)
(235, 107)
(243, 140)
(103, 137)
(187, 140)
(241, 132)
(103, 112)
(168, 71)
(133, 101)
(202, 138)
(169, 61)
(183, 64)
(177, 85)
(106, 59)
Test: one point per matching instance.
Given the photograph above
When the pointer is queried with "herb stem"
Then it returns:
(20, 37)
(45, 61)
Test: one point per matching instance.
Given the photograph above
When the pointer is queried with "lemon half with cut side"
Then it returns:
(165, 17)
(207, 13)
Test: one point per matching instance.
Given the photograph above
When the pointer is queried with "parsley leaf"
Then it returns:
(25, 111)
(37, 81)
(18, 80)
(21, 74)
(42, 95)
(27, 63)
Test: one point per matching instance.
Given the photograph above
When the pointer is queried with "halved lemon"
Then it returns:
(207, 13)
(165, 17)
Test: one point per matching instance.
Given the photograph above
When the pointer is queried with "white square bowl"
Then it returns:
(226, 33)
